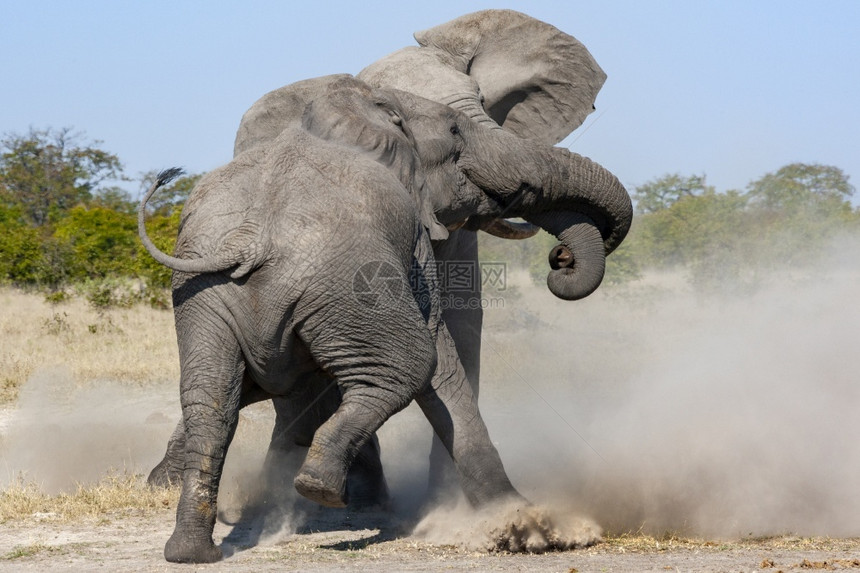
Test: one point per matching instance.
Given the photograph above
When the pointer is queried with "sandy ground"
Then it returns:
(341, 543)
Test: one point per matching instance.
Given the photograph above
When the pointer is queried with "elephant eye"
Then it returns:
(455, 130)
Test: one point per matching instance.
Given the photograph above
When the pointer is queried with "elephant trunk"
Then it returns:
(578, 263)
(584, 205)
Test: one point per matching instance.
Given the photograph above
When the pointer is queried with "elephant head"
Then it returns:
(528, 85)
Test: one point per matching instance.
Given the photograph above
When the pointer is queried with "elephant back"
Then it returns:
(279, 109)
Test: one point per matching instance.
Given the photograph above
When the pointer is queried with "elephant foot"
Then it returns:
(321, 487)
(181, 549)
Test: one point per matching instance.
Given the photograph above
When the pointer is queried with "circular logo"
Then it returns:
(378, 284)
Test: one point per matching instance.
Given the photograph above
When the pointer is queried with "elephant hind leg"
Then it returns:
(210, 390)
(169, 470)
(343, 460)
(297, 419)
(379, 372)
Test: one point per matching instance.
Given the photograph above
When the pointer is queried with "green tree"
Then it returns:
(798, 186)
(116, 199)
(663, 192)
(799, 209)
(733, 240)
(693, 230)
(47, 172)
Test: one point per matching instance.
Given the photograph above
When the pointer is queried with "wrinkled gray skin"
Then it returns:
(515, 78)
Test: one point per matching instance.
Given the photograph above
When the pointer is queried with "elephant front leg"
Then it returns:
(514, 524)
(210, 392)
(463, 317)
(452, 410)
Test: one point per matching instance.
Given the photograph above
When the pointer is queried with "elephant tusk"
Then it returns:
(509, 229)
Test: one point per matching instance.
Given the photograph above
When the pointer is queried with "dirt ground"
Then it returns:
(343, 542)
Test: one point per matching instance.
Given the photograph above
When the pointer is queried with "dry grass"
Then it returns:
(113, 495)
(135, 345)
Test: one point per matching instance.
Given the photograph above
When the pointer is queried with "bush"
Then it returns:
(102, 242)
(20, 253)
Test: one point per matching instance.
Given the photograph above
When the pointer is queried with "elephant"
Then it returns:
(311, 256)
(522, 85)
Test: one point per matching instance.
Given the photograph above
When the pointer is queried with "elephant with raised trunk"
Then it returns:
(528, 85)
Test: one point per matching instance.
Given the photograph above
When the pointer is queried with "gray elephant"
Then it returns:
(512, 75)
(310, 256)
(491, 175)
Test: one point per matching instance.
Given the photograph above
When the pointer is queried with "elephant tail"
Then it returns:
(243, 259)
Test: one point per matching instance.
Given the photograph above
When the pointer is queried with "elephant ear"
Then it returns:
(537, 81)
(371, 120)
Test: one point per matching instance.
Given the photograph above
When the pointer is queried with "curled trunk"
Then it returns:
(578, 263)
(581, 203)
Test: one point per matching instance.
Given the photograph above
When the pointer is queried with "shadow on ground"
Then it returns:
(270, 523)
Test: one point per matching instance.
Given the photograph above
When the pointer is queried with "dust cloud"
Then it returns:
(655, 408)
(63, 433)
(647, 408)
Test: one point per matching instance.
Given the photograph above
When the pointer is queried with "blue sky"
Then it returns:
(728, 89)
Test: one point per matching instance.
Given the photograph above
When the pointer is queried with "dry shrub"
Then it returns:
(113, 495)
(136, 344)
